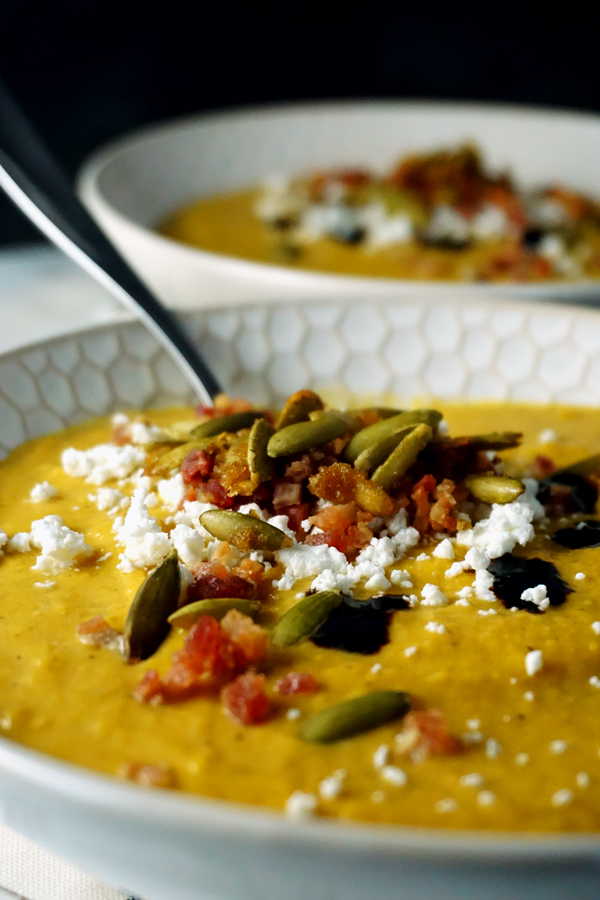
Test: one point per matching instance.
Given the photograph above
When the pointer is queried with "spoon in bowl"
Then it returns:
(33, 179)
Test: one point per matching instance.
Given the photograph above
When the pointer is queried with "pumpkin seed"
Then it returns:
(172, 459)
(179, 432)
(355, 716)
(147, 622)
(230, 424)
(297, 408)
(244, 532)
(374, 455)
(306, 435)
(497, 440)
(212, 606)
(387, 428)
(259, 461)
(306, 617)
(494, 488)
(401, 459)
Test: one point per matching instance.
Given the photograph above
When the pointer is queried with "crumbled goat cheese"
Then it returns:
(534, 661)
(579, 576)
(444, 549)
(553, 248)
(375, 668)
(447, 805)
(190, 545)
(381, 756)
(3, 541)
(443, 429)
(486, 798)
(20, 542)
(422, 557)
(300, 805)
(401, 577)
(473, 779)
(145, 542)
(483, 586)
(432, 596)
(487, 612)
(529, 696)
(171, 491)
(455, 569)
(44, 584)
(562, 797)
(595, 681)
(293, 714)
(521, 759)
(331, 787)
(410, 651)
(558, 747)
(393, 775)
(42, 491)
(492, 748)
(477, 558)
(137, 432)
(435, 628)
(103, 462)
(109, 500)
(473, 724)
(537, 595)
(60, 546)
(472, 737)
(465, 592)
(395, 229)
(596, 627)
(446, 224)
(582, 779)
(509, 524)
(190, 515)
(547, 436)
(490, 222)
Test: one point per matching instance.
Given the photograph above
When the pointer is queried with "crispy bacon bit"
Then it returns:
(425, 734)
(340, 483)
(250, 570)
(299, 469)
(297, 683)
(435, 504)
(286, 494)
(98, 633)
(207, 652)
(542, 467)
(213, 491)
(513, 262)
(196, 466)
(249, 637)
(158, 776)
(149, 690)
(296, 514)
(343, 527)
(213, 579)
(245, 700)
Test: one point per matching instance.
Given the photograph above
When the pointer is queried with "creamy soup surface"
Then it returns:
(505, 702)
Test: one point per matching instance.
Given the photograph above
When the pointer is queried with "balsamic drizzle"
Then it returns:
(583, 491)
(584, 534)
(513, 575)
(360, 626)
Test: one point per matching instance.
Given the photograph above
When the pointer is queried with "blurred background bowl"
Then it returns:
(133, 183)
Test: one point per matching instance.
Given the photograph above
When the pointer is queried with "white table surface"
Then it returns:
(43, 293)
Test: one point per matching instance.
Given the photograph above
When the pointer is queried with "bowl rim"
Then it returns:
(94, 792)
(91, 169)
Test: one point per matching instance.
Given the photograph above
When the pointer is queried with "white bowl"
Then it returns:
(130, 185)
(167, 846)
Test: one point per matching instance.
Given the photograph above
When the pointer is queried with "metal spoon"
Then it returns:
(33, 179)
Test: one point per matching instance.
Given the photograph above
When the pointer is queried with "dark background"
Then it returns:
(86, 72)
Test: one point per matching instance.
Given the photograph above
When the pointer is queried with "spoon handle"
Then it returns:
(32, 178)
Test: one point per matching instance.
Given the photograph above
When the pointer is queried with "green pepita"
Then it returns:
(494, 488)
(259, 461)
(355, 716)
(244, 532)
(306, 435)
(305, 618)
(147, 622)
(216, 607)
(230, 424)
(379, 451)
(401, 459)
(179, 432)
(387, 428)
(297, 408)
(497, 440)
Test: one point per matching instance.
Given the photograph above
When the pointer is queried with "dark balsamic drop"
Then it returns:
(584, 493)
(585, 534)
(532, 238)
(513, 575)
(360, 626)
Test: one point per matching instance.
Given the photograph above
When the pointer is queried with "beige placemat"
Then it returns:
(29, 873)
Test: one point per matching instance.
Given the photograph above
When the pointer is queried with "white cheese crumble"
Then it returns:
(579, 576)
(562, 797)
(596, 627)
(473, 779)
(44, 584)
(300, 805)
(538, 596)
(509, 524)
(595, 681)
(558, 747)
(432, 596)
(547, 436)
(375, 668)
(486, 798)
(529, 696)
(331, 787)
(435, 628)
(109, 500)
(492, 748)
(60, 547)
(3, 541)
(137, 432)
(42, 491)
(394, 775)
(293, 714)
(444, 549)
(381, 756)
(534, 661)
(473, 724)
(145, 542)
(410, 651)
(190, 545)
(521, 759)
(447, 805)
(582, 779)
(102, 463)
(455, 569)
(171, 491)
(422, 557)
